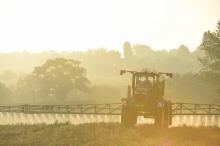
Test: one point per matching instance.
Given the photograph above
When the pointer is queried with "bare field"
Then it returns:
(102, 134)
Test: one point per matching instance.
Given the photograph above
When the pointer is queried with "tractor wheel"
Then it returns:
(168, 112)
(163, 117)
(128, 116)
(158, 118)
(166, 116)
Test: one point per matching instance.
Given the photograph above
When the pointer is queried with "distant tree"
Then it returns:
(211, 59)
(4, 93)
(183, 50)
(127, 50)
(56, 77)
(142, 51)
(101, 62)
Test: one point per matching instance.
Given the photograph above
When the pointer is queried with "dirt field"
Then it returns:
(106, 135)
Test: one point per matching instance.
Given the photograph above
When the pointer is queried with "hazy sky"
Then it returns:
(37, 25)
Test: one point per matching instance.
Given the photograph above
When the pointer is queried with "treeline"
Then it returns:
(196, 73)
(58, 80)
(102, 69)
(103, 63)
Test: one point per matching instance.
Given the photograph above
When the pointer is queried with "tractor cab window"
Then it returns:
(144, 81)
(143, 84)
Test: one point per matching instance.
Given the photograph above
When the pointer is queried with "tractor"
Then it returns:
(145, 97)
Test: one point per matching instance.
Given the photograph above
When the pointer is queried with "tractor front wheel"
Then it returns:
(163, 117)
(128, 116)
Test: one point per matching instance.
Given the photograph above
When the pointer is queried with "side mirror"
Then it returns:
(170, 75)
(122, 72)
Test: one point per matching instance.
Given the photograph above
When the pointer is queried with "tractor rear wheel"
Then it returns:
(128, 116)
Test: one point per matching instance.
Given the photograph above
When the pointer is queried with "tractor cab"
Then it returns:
(145, 97)
(143, 85)
(146, 85)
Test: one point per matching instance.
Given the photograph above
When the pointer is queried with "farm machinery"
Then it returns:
(145, 97)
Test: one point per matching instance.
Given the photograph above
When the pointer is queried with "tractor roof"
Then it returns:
(146, 73)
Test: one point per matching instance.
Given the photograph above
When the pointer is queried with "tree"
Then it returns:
(56, 77)
(127, 51)
(101, 62)
(183, 50)
(211, 60)
(4, 93)
(142, 51)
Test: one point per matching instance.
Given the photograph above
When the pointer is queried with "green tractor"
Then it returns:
(145, 98)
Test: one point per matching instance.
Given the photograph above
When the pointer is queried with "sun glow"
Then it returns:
(79, 25)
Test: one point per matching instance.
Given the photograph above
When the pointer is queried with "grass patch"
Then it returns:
(111, 134)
